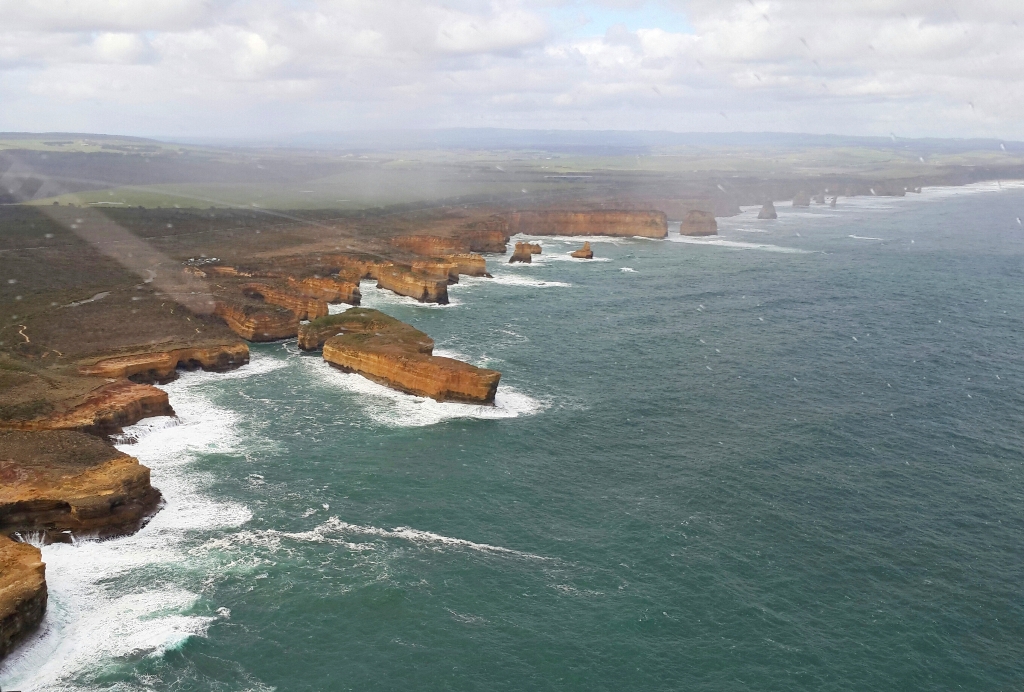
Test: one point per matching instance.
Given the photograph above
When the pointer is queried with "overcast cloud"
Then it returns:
(265, 67)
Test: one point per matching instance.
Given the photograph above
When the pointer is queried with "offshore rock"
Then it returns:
(161, 366)
(303, 306)
(399, 356)
(584, 252)
(698, 223)
(534, 248)
(258, 323)
(648, 224)
(313, 335)
(406, 282)
(522, 253)
(833, 202)
(58, 484)
(105, 410)
(330, 289)
(802, 199)
(470, 264)
(768, 211)
(819, 198)
(22, 592)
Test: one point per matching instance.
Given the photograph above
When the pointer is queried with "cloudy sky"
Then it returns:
(253, 68)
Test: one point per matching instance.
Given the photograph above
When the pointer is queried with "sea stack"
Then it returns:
(833, 202)
(802, 199)
(819, 198)
(768, 211)
(395, 354)
(584, 252)
(698, 222)
(522, 253)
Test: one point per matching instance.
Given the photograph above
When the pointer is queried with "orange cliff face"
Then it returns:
(327, 288)
(304, 307)
(647, 224)
(406, 282)
(395, 354)
(487, 241)
(584, 252)
(442, 270)
(104, 411)
(59, 484)
(523, 253)
(258, 323)
(161, 366)
(22, 592)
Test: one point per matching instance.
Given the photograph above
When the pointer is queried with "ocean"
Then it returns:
(788, 457)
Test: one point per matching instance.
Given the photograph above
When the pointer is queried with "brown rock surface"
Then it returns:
(487, 241)
(330, 289)
(161, 366)
(303, 306)
(470, 264)
(442, 270)
(584, 252)
(802, 199)
(59, 483)
(768, 211)
(406, 282)
(258, 322)
(698, 223)
(354, 321)
(395, 354)
(522, 253)
(105, 410)
(648, 224)
(22, 592)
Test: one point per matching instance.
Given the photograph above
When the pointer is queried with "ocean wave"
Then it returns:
(513, 280)
(737, 245)
(333, 527)
(97, 614)
(382, 299)
(863, 237)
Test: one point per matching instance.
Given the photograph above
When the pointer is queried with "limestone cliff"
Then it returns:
(698, 223)
(355, 321)
(442, 270)
(648, 224)
(330, 289)
(257, 323)
(768, 211)
(487, 241)
(59, 483)
(395, 354)
(22, 592)
(470, 264)
(584, 252)
(522, 253)
(161, 366)
(304, 307)
(105, 410)
(406, 282)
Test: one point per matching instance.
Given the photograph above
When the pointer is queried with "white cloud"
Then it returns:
(914, 67)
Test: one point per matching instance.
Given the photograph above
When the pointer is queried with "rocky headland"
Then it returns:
(622, 223)
(162, 366)
(58, 484)
(698, 223)
(395, 354)
(22, 592)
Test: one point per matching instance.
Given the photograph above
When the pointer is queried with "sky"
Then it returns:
(265, 68)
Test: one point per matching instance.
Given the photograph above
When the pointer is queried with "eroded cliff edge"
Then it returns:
(647, 224)
(395, 354)
(59, 484)
(22, 592)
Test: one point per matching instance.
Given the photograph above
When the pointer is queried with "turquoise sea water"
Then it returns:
(786, 458)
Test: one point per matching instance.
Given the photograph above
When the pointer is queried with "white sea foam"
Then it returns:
(338, 308)
(392, 408)
(864, 237)
(96, 614)
(736, 244)
(513, 280)
(334, 527)
(627, 270)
